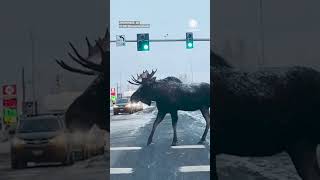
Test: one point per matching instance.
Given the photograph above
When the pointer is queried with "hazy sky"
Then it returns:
(170, 58)
(291, 29)
(54, 23)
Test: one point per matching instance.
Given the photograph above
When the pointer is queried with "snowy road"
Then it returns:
(132, 159)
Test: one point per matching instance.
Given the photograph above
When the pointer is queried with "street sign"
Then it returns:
(9, 103)
(143, 42)
(120, 40)
(113, 91)
(189, 40)
(9, 90)
(113, 95)
(10, 116)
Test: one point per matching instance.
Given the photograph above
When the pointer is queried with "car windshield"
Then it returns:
(38, 125)
(122, 101)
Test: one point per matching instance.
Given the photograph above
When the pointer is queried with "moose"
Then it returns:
(266, 111)
(171, 95)
(90, 107)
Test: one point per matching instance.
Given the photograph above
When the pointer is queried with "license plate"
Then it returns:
(37, 152)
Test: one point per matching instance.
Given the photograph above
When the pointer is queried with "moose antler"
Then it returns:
(152, 73)
(69, 68)
(135, 81)
(144, 76)
(94, 68)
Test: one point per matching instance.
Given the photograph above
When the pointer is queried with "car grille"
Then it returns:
(37, 141)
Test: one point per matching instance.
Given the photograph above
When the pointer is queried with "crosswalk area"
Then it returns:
(152, 165)
(132, 159)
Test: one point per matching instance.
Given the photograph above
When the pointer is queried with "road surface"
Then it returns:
(132, 159)
(160, 161)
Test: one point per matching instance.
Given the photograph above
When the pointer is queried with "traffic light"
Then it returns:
(189, 40)
(143, 42)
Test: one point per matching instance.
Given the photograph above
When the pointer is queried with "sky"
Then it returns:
(53, 23)
(169, 58)
(291, 31)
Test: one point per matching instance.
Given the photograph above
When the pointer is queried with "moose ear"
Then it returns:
(153, 79)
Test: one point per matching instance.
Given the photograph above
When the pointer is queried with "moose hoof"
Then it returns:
(149, 142)
(174, 144)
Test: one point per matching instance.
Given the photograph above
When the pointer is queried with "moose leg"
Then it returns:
(174, 117)
(206, 115)
(214, 175)
(159, 118)
(304, 157)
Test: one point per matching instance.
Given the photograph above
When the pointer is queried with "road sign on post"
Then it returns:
(143, 42)
(113, 95)
(9, 103)
(189, 40)
(121, 40)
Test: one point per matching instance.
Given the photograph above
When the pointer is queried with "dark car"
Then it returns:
(41, 138)
(124, 105)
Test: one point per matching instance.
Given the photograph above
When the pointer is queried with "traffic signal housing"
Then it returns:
(189, 40)
(143, 42)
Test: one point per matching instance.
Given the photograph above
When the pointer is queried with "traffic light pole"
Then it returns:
(166, 40)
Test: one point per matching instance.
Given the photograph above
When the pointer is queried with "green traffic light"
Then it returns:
(189, 45)
(145, 47)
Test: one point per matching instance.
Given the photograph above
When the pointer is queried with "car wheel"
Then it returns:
(83, 154)
(69, 159)
(115, 113)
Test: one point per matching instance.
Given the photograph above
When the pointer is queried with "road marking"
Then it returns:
(124, 148)
(194, 169)
(21, 175)
(188, 146)
(121, 170)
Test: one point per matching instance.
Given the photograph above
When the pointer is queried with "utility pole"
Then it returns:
(261, 32)
(23, 92)
(33, 73)
(117, 93)
(120, 85)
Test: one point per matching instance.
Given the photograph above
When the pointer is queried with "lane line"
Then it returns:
(189, 147)
(121, 170)
(194, 169)
(124, 148)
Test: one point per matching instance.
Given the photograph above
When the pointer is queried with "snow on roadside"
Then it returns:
(199, 123)
(133, 122)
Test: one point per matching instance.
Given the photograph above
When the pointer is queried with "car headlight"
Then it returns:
(58, 140)
(115, 106)
(17, 141)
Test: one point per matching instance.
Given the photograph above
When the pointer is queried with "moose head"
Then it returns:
(144, 93)
(90, 107)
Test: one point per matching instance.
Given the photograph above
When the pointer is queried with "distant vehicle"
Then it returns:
(88, 144)
(42, 138)
(124, 105)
